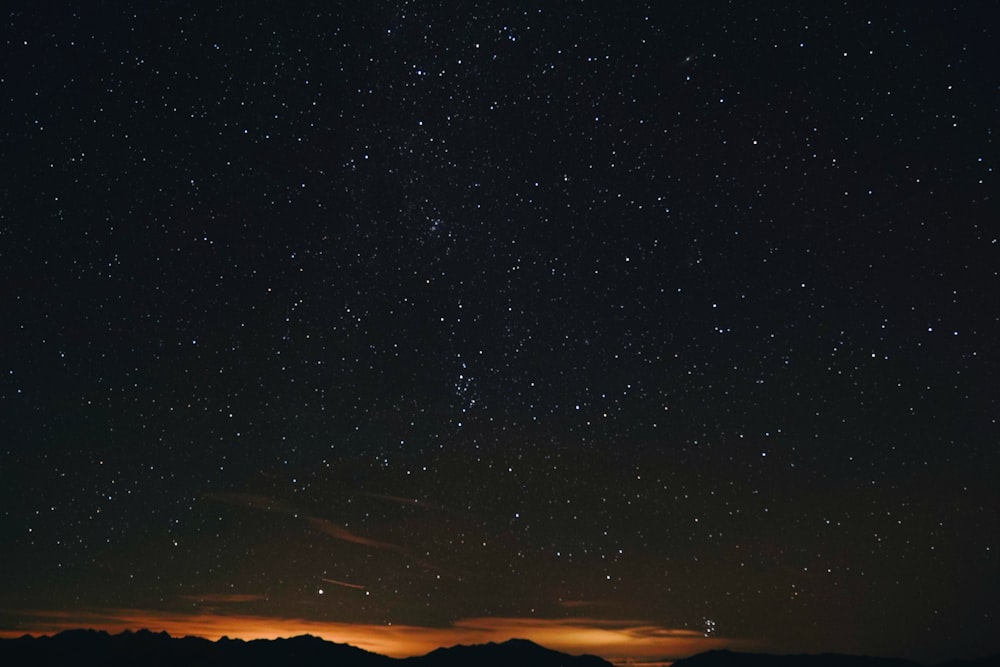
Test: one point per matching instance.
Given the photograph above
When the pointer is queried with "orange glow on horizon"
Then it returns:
(621, 641)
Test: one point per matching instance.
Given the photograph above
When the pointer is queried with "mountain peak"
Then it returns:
(523, 652)
(153, 649)
(517, 642)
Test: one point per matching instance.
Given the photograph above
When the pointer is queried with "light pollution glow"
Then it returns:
(621, 641)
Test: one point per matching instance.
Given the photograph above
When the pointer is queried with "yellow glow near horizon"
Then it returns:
(617, 640)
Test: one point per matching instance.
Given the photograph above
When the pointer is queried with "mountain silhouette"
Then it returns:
(149, 649)
(520, 652)
(725, 658)
(158, 649)
(152, 649)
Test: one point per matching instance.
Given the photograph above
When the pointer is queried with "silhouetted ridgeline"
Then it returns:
(511, 653)
(732, 659)
(149, 649)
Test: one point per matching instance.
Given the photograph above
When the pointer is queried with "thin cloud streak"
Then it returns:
(339, 532)
(343, 583)
(575, 604)
(264, 503)
(320, 524)
(333, 530)
(621, 641)
(423, 504)
(224, 597)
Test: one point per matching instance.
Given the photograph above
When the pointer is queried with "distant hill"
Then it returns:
(514, 652)
(733, 659)
(150, 649)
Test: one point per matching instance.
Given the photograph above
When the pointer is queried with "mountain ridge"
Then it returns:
(156, 649)
(727, 658)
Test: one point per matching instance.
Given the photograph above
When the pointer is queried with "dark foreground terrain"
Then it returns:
(732, 659)
(149, 649)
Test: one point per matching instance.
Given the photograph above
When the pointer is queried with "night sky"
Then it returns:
(635, 329)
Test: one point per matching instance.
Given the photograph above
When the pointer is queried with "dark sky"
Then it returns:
(633, 328)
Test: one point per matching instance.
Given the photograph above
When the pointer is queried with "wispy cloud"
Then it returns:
(325, 526)
(265, 503)
(576, 604)
(339, 532)
(422, 504)
(215, 598)
(343, 583)
(623, 641)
